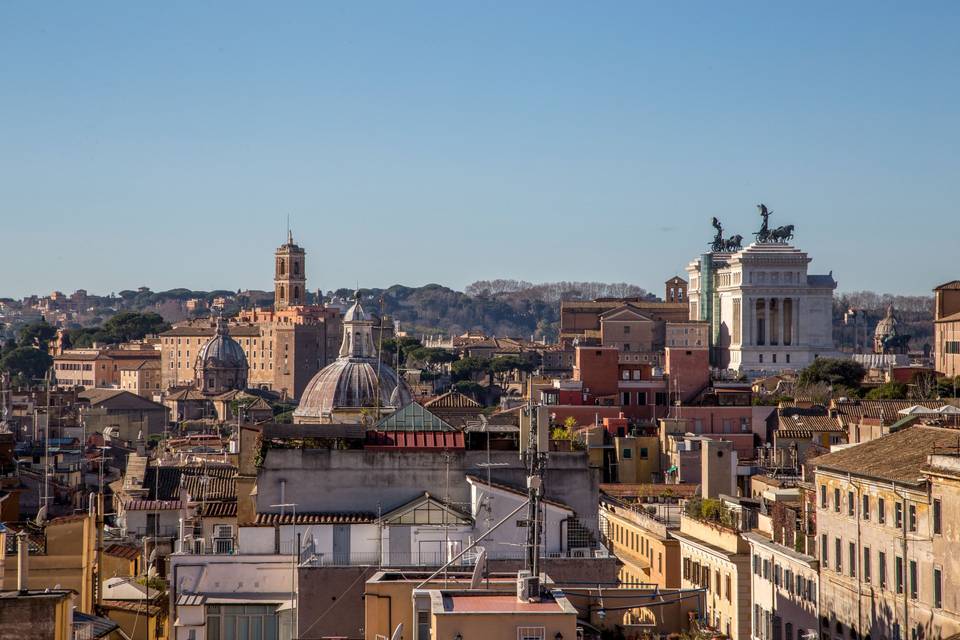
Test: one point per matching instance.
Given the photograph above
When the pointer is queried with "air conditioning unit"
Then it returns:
(528, 586)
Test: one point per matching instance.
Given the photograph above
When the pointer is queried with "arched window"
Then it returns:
(296, 268)
(282, 267)
(283, 295)
(296, 294)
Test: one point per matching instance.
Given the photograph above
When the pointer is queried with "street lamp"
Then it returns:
(294, 558)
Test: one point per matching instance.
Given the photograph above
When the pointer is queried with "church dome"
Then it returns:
(350, 383)
(887, 327)
(222, 351)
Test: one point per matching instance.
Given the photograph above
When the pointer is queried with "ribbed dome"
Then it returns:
(351, 384)
(222, 351)
(888, 325)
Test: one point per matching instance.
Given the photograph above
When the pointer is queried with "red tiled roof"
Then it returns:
(414, 440)
(152, 505)
(315, 518)
(127, 551)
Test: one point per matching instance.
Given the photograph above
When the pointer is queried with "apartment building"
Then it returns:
(886, 568)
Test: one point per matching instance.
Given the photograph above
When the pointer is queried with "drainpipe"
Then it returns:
(857, 513)
(23, 562)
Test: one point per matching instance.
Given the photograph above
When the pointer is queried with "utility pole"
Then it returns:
(535, 461)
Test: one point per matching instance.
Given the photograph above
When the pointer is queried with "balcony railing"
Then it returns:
(427, 558)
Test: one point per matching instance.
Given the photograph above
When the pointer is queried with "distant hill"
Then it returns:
(499, 307)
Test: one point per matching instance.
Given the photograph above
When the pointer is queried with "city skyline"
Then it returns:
(472, 144)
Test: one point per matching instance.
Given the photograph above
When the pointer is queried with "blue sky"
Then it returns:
(164, 144)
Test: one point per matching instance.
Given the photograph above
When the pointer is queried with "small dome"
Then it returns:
(356, 313)
(222, 351)
(888, 325)
(350, 384)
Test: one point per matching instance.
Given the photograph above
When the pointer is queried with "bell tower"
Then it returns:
(289, 275)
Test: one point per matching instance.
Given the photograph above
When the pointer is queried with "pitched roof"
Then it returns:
(953, 285)
(508, 488)
(413, 440)
(413, 417)
(624, 312)
(99, 627)
(218, 509)
(897, 457)
(810, 423)
(119, 400)
(359, 517)
(452, 400)
(187, 393)
(885, 410)
(126, 551)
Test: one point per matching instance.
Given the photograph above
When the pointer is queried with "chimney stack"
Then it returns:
(23, 561)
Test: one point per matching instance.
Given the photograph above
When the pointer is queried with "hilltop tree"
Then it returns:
(833, 371)
(26, 363)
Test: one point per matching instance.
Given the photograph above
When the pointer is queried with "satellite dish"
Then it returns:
(479, 568)
(41, 515)
(398, 632)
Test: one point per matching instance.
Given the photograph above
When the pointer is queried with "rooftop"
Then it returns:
(897, 457)
(497, 603)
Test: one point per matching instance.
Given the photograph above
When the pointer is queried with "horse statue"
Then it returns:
(733, 243)
(718, 243)
(782, 234)
(763, 235)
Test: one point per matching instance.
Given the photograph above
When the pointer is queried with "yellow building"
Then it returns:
(37, 613)
(714, 557)
(142, 378)
(638, 458)
(64, 555)
(643, 541)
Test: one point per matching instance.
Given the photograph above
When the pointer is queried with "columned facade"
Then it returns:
(768, 314)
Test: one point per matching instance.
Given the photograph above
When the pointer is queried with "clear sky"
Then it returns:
(164, 144)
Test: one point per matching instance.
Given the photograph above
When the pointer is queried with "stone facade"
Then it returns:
(886, 537)
(766, 314)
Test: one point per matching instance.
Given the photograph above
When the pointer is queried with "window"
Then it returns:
(838, 554)
(824, 556)
(246, 621)
(627, 453)
(761, 358)
(626, 329)
(851, 507)
(881, 511)
(898, 574)
(937, 588)
(914, 589)
(865, 507)
(937, 527)
(661, 399)
(912, 517)
(898, 515)
(836, 499)
(644, 453)
(853, 559)
(882, 567)
(525, 633)
(756, 564)
(866, 564)
(823, 496)
(788, 355)
(729, 589)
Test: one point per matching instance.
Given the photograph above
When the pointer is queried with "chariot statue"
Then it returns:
(718, 244)
(780, 235)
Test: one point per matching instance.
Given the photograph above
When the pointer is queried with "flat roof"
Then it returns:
(497, 603)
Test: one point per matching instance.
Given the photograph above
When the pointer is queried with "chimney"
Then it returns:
(23, 562)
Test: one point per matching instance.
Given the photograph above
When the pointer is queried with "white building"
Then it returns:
(784, 590)
(766, 313)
